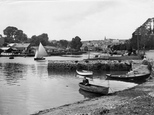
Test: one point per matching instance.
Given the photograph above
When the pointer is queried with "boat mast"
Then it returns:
(138, 41)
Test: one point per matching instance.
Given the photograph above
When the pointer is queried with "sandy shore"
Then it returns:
(131, 101)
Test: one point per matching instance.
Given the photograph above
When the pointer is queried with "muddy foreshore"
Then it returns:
(137, 100)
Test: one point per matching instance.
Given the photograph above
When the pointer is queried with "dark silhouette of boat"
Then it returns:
(132, 77)
(11, 57)
(94, 88)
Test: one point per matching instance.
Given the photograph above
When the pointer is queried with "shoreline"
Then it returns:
(128, 99)
(93, 65)
(109, 104)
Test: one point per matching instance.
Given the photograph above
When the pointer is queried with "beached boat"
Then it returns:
(94, 88)
(40, 53)
(11, 57)
(84, 72)
(137, 76)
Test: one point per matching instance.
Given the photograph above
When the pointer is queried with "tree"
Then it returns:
(10, 31)
(20, 36)
(43, 38)
(76, 43)
(86, 48)
(1, 40)
(63, 43)
(14, 35)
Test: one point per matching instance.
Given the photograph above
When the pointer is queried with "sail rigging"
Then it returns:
(41, 52)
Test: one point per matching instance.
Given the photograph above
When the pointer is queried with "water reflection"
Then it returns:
(13, 72)
(61, 73)
(40, 70)
(31, 87)
(88, 95)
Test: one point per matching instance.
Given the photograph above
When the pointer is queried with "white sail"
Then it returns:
(41, 52)
(36, 53)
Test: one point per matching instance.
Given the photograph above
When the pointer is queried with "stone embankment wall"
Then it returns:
(97, 65)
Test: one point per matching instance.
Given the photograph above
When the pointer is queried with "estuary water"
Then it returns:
(27, 86)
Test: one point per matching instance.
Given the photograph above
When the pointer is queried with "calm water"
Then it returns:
(26, 86)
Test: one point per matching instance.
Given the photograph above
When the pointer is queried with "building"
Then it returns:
(16, 49)
(21, 48)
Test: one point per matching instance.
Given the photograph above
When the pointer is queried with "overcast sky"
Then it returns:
(65, 19)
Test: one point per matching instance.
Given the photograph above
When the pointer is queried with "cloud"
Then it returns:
(66, 19)
(81, 10)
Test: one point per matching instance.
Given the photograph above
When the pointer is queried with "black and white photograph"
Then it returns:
(76, 57)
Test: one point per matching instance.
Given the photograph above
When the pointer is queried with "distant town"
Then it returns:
(16, 42)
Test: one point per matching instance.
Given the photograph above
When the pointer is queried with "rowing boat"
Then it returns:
(84, 72)
(94, 88)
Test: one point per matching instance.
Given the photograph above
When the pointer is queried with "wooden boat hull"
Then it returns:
(94, 88)
(131, 77)
(84, 73)
(11, 57)
(39, 58)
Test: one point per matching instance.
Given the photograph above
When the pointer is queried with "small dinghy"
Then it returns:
(84, 72)
(139, 76)
(94, 88)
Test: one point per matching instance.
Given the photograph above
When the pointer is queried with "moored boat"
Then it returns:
(11, 57)
(84, 72)
(94, 88)
(137, 76)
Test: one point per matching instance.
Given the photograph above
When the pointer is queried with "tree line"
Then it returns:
(15, 35)
(142, 39)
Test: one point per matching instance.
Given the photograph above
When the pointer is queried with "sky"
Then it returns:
(66, 19)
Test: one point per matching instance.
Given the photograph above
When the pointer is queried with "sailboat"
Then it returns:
(40, 53)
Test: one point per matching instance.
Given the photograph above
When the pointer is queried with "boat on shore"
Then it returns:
(11, 57)
(40, 53)
(132, 77)
(84, 72)
(94, 88)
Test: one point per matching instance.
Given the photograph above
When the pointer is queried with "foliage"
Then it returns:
(43, 38)
(142, 38)
(119, 47)
(20, 36)
(63, 43)
(14, 35)
(76, 43)
(10, 31)
(86, 48)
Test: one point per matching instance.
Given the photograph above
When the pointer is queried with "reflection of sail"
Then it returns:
(40, 69)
